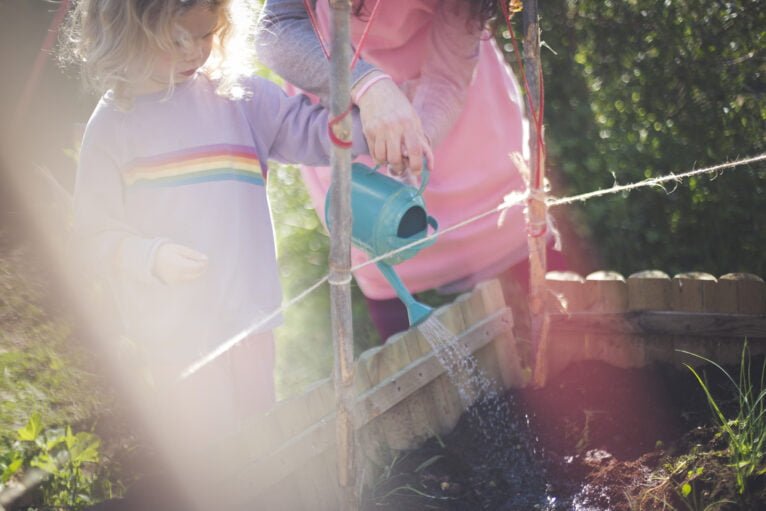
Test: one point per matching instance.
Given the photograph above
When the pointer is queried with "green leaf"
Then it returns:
(46, 463)
(85, 448)
(686, 489)
(430, 461)
(12, 468)
(54, 442)
(69, 438)
(32, 430)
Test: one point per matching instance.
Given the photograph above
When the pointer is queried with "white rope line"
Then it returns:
(233, 341)
(512, 199)
(654, 181)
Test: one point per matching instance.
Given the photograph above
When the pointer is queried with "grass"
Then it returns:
(720, 475)
(42, 368)
(50, 399)
(746, 432)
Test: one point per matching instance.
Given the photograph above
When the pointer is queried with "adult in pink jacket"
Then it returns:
(430, 82)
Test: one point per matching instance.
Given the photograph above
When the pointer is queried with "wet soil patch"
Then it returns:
(595, 438)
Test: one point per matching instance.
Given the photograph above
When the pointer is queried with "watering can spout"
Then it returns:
(416, 312)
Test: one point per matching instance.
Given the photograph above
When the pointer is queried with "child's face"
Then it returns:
(197, 26)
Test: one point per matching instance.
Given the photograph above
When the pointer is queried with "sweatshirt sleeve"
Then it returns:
(287, 43)
(294, 130)
(104, 242)
(452, 56)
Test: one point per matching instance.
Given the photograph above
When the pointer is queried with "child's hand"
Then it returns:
(174, 263)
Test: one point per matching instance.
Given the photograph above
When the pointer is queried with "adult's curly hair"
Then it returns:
(481, 11)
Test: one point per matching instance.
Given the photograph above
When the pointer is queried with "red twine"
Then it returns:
(339, 142)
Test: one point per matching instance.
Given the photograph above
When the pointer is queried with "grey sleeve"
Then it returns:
(453, 53)
(287, 43)
(292, 129)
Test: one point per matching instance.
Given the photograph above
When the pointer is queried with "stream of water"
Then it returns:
(501, 434)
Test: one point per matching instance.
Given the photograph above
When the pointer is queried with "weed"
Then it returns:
(746, 433)
(69, 461)
(693, 498)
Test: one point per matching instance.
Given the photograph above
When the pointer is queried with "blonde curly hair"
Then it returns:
(117, 42)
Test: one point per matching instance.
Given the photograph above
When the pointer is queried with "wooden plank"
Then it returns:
(503, 363)
(380, 365)
(702, 324)
(567, 286)
(262, 473)
(649, 290)
(400, 385)
(744, 293)
(398, 423)
(606, 291)
(693, 292)
(491, 292)
(446, 405)
(315, 482)
(422, 404)
(370, 438)
(320, 399)
(281, 495)
(366, 369)
(292, 415)
(622, 351)
(255, 439)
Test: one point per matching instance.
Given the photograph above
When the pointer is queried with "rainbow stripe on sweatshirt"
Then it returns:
(199, 165)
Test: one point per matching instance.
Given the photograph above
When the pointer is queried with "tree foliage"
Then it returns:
(639, 89)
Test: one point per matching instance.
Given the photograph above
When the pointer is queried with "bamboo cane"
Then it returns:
(537, 209)
(340, 251)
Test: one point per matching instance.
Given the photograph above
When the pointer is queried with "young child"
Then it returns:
(170, 197)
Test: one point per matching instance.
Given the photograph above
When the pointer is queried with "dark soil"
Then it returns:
(596, 438)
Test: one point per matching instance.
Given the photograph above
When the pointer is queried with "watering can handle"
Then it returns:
(435, 226)
(424, 176)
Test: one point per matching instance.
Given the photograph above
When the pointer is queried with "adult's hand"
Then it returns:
(174, 263)
(392, 127)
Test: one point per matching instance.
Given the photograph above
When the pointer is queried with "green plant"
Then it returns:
(693, 498)
(746, 433)
(387, 485)
(70, 461)
(635, 89)
(679, 480)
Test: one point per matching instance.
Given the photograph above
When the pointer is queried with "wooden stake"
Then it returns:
(340, 251)
(537, 209)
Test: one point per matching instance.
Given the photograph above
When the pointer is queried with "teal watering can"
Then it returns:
(388, 215)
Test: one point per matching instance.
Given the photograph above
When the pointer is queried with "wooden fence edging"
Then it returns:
(260, 471)
(698, 324)
(649, 290)
(399, 386)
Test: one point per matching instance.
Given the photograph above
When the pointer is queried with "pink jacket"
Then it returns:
(432, 54)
